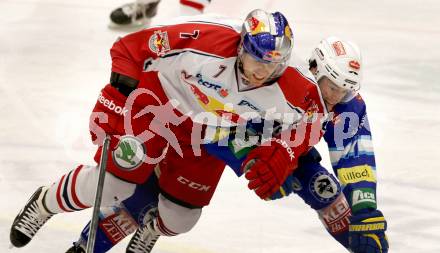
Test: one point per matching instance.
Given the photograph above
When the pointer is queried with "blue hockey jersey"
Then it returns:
(348, 137)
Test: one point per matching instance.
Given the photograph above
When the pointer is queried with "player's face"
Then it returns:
(256, 72)
(331, 93)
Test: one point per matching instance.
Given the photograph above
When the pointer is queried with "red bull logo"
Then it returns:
(208, 103)
(311, 112)
(256, 25)
(199, 94)
(233, 117)
(194, 89)
(159, 43)
(272, 56)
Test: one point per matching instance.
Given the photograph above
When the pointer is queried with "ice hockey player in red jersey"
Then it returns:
(140, 12)
(173, 88)
(347, 207)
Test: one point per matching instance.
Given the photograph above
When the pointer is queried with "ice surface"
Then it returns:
(54, 58)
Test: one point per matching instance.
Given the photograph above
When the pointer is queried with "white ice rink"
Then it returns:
(54, 58)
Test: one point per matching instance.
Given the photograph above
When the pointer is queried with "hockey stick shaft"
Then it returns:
(98, 196)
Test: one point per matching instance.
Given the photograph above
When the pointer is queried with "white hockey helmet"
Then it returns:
(341, 62)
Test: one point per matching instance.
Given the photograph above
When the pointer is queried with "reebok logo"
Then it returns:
(286, 146)
(111, 105)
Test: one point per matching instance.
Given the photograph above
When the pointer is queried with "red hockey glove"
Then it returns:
(267, 166)
(108, 115)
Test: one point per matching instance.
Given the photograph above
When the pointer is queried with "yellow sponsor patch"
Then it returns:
(356, 174)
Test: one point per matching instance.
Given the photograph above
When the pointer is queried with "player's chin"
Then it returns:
(256, 82)
(259, 79)
(329, 105)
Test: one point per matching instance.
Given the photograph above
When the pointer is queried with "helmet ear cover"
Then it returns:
(312, 64)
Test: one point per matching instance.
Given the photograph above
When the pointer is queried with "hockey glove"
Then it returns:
(267, 166)
(285, 189)
(108, 115)
(367, 233)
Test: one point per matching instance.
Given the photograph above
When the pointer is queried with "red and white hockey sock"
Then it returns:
(75, 190)
(160, 228)
(173, 219)
(193, 7)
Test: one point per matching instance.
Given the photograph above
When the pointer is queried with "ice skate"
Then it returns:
(145, 236)
(30, 219)
(76, 248)
(134, 15)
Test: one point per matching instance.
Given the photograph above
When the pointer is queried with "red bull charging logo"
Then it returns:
(159, 43)
(272, 56)
(209, 103)
(256, 25)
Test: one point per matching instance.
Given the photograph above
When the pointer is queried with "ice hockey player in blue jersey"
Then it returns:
(346, 205)
(352, 217)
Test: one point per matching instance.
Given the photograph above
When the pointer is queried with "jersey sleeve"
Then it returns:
(131, 54)
(349, 141)
(302, 93)
(126, 55)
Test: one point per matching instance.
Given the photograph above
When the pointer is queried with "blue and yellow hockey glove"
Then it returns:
(367, 233)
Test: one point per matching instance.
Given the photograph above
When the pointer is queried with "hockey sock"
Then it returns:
(174, 219)
(75, 190)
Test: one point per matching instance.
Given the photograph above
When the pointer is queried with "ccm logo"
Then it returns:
(193, 185)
